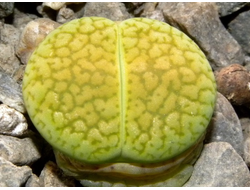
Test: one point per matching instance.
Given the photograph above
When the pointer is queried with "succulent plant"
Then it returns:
(122, 103)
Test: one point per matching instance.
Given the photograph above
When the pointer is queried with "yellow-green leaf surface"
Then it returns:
(133, 91)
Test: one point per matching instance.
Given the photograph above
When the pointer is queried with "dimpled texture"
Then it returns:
(133, 91)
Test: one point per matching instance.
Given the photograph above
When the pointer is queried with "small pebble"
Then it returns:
(12, 122)
(233, 82)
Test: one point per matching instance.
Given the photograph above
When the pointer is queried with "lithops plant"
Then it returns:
(122, 103)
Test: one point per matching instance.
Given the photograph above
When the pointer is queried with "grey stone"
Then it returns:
(6, 8)
(225, 125)
(12, 122)
(239, 28)
(156, 14)
(247, 62)
(8, 61)
(201, 22)
(19, 151)
(11, 175)
(33, 181)
(20, 19)
(52, 176)
(135, 8)
(219, 166)
(245, 123)
(227, 8)
(115, 11)
(9, 37)
(149, 6)
(145, 8)
(11, 93)
(60, 10)
(150, 11)
(9, 34)
(59, 5)
(65, 15)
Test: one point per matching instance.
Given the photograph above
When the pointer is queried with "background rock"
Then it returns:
(9, 37)
(8, 61)
(6, 8)
(245, 123)
(201, 22)
(227, 8)
(11, 175)
(65, 15)
(12, 122)
(52, 176)
(240, 29)
(58, 5)
(10, 92)
(219, 166)
(20, 19)
(115, 11)
(225, 125)
(20, 151)
(61, 11)
(33, 181)
(9, 34)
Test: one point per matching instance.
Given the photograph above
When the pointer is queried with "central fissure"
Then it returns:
(122, 75)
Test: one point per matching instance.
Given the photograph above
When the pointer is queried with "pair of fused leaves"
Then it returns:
(133, 91)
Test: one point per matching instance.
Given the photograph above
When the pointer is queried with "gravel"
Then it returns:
(220, 29)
